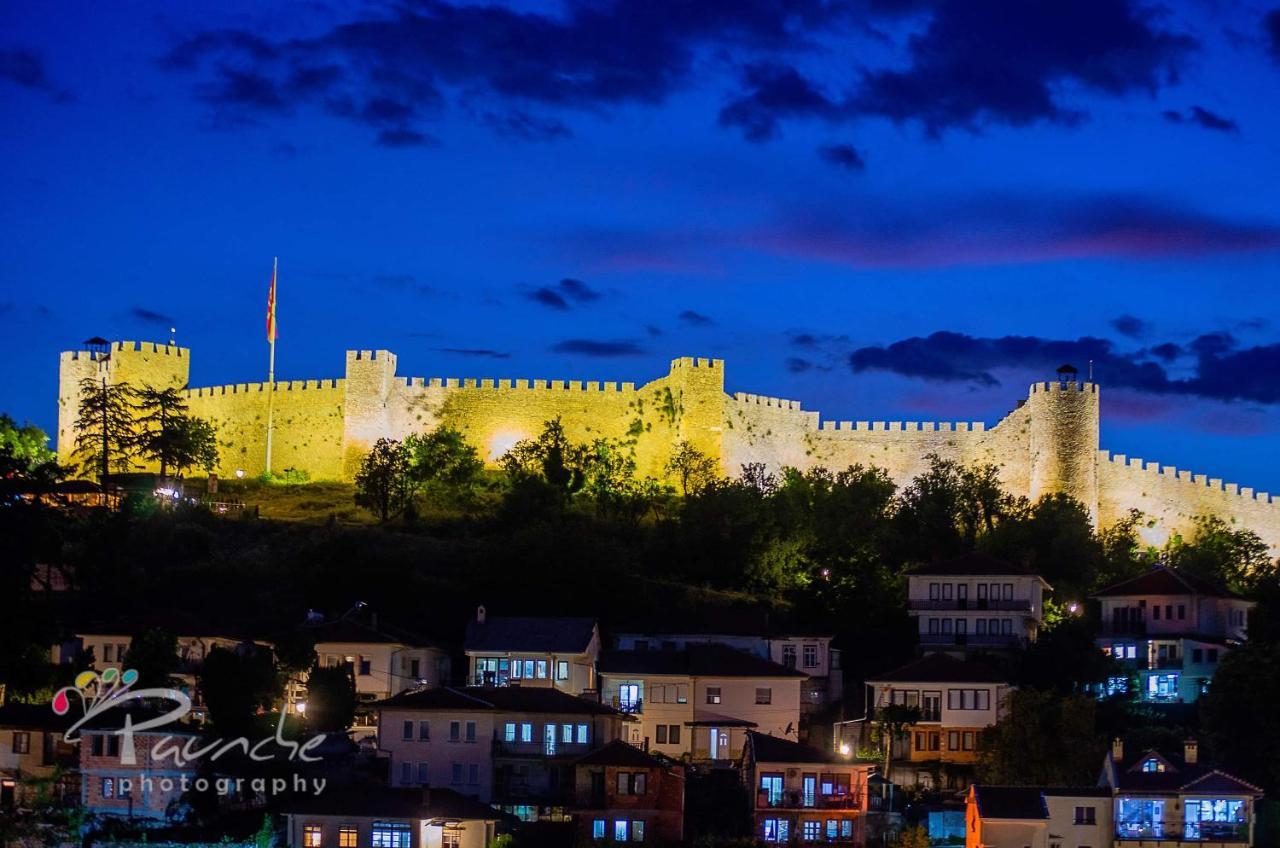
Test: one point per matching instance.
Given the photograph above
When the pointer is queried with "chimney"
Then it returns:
(1117, 749)
(480, 614)
(1190, 751)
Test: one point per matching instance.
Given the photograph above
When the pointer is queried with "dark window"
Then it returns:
(407, 730)
(1182, 612)
(660, 734)
(21, 742)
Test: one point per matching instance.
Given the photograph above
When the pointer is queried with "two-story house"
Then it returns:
(1034, 817)
(32, 753)
(1164, 799)
(699, 703)
(384, 660)
(1170, 630)
(812, 654)
(955, 701)
(802, 794)
(137, 784)
(560, 653)
(512, 746)
(361, 817)
(623, 794)
(975, 602)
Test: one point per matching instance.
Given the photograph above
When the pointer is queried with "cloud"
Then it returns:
(984, 62)
(476, 352)
(403, 137)
(695, 319)
(599, 348)
(796, 365)
(774, 91)
(1168, 351)
(495, 61)
(564, 294)
(1271, 29)
(1130, 325)
(843, 156)
(994, 229)
(1202, 117)
(25, 68)
(1223, 370)
(148, 316)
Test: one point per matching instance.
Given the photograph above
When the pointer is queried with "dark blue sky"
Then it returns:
(884, 208)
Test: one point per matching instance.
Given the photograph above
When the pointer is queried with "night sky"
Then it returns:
(889, 209)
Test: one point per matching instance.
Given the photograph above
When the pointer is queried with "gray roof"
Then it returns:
(541, 635)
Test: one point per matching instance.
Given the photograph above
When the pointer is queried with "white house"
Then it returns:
(975, 602)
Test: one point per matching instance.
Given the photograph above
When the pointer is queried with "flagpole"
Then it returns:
(271, 364)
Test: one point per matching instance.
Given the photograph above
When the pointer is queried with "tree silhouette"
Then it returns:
(105, 426)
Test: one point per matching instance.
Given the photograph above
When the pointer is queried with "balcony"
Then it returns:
(539, 750)
(792, 799)
(967, 605)
(1204, 831)
(631, 706)
(970, 639)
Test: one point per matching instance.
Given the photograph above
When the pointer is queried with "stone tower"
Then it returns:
(137, 363)
(370, 378)
(697, 389)
(1064, 441)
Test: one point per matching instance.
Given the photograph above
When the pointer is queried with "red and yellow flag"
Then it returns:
(271, 308)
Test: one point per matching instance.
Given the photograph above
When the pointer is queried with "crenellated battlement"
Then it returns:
(765, 400)
(686, 362)
(496, 384)
(1170, 473)
(259, 388)
(903, 427)
(1064, 386)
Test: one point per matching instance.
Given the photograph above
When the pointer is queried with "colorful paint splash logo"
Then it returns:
(98, 693)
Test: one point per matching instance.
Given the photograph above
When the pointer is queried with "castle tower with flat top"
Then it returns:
(1048, 444)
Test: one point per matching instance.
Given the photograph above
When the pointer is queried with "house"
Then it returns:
(956, 699)
(1170, 630)
(812, 654)
(699, 702)
(560, 653)
(384, 660)
(512, 746)
(802, 794)
(360, 817)
(137, 784)
(626, 795)
(974, 601)
(32, 752)
(1034, 817)
(1161, 798)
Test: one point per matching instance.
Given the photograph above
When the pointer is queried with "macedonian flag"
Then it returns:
(271, 307)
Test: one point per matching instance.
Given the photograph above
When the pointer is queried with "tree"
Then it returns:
(331, 699)
(692, 469)
(1236, 559)
(1239, 714)
(550, 458)
(1065, 659)
(26, 444)
(105, 426)
(948, 506)
(27, 466)
(154, 655)
(893, 722)
(914, 837)
(1044, 739)
(444, 458)
(236, 686)
(384, 485)
(169, 436)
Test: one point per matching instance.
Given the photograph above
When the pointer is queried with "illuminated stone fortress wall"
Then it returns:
(1049, 443)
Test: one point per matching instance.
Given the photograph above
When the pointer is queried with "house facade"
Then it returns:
(147, 788)
(956, 701)
(1169, 630)
(812, 654)
(975, 602)
(557, 653)
(699, 703)
(802, 794)
(1167, 799)
(1033, 817)
(390, 818)
(32, 752)
(510, 746)
(623, 794)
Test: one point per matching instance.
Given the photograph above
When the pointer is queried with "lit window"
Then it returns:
(108, 787)
(582, 734)
(597, 829)
(526, 731)
(620, 830)
(637, 831)
(542, 669)
(391, 835)
(312, 836)
(811, 830)
(562, 670)
(713, 694)
(451, 837)
(348, 837)
(509, 732)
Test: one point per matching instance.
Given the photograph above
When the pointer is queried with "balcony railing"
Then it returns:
(795, 800)
(1204, 831)
(963, 639)
(630, 706)
(983, 605)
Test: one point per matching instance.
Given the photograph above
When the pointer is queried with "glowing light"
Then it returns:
(239, 473)
(1073, 608)
(844, 749)
(501, 442)
(300, 708)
